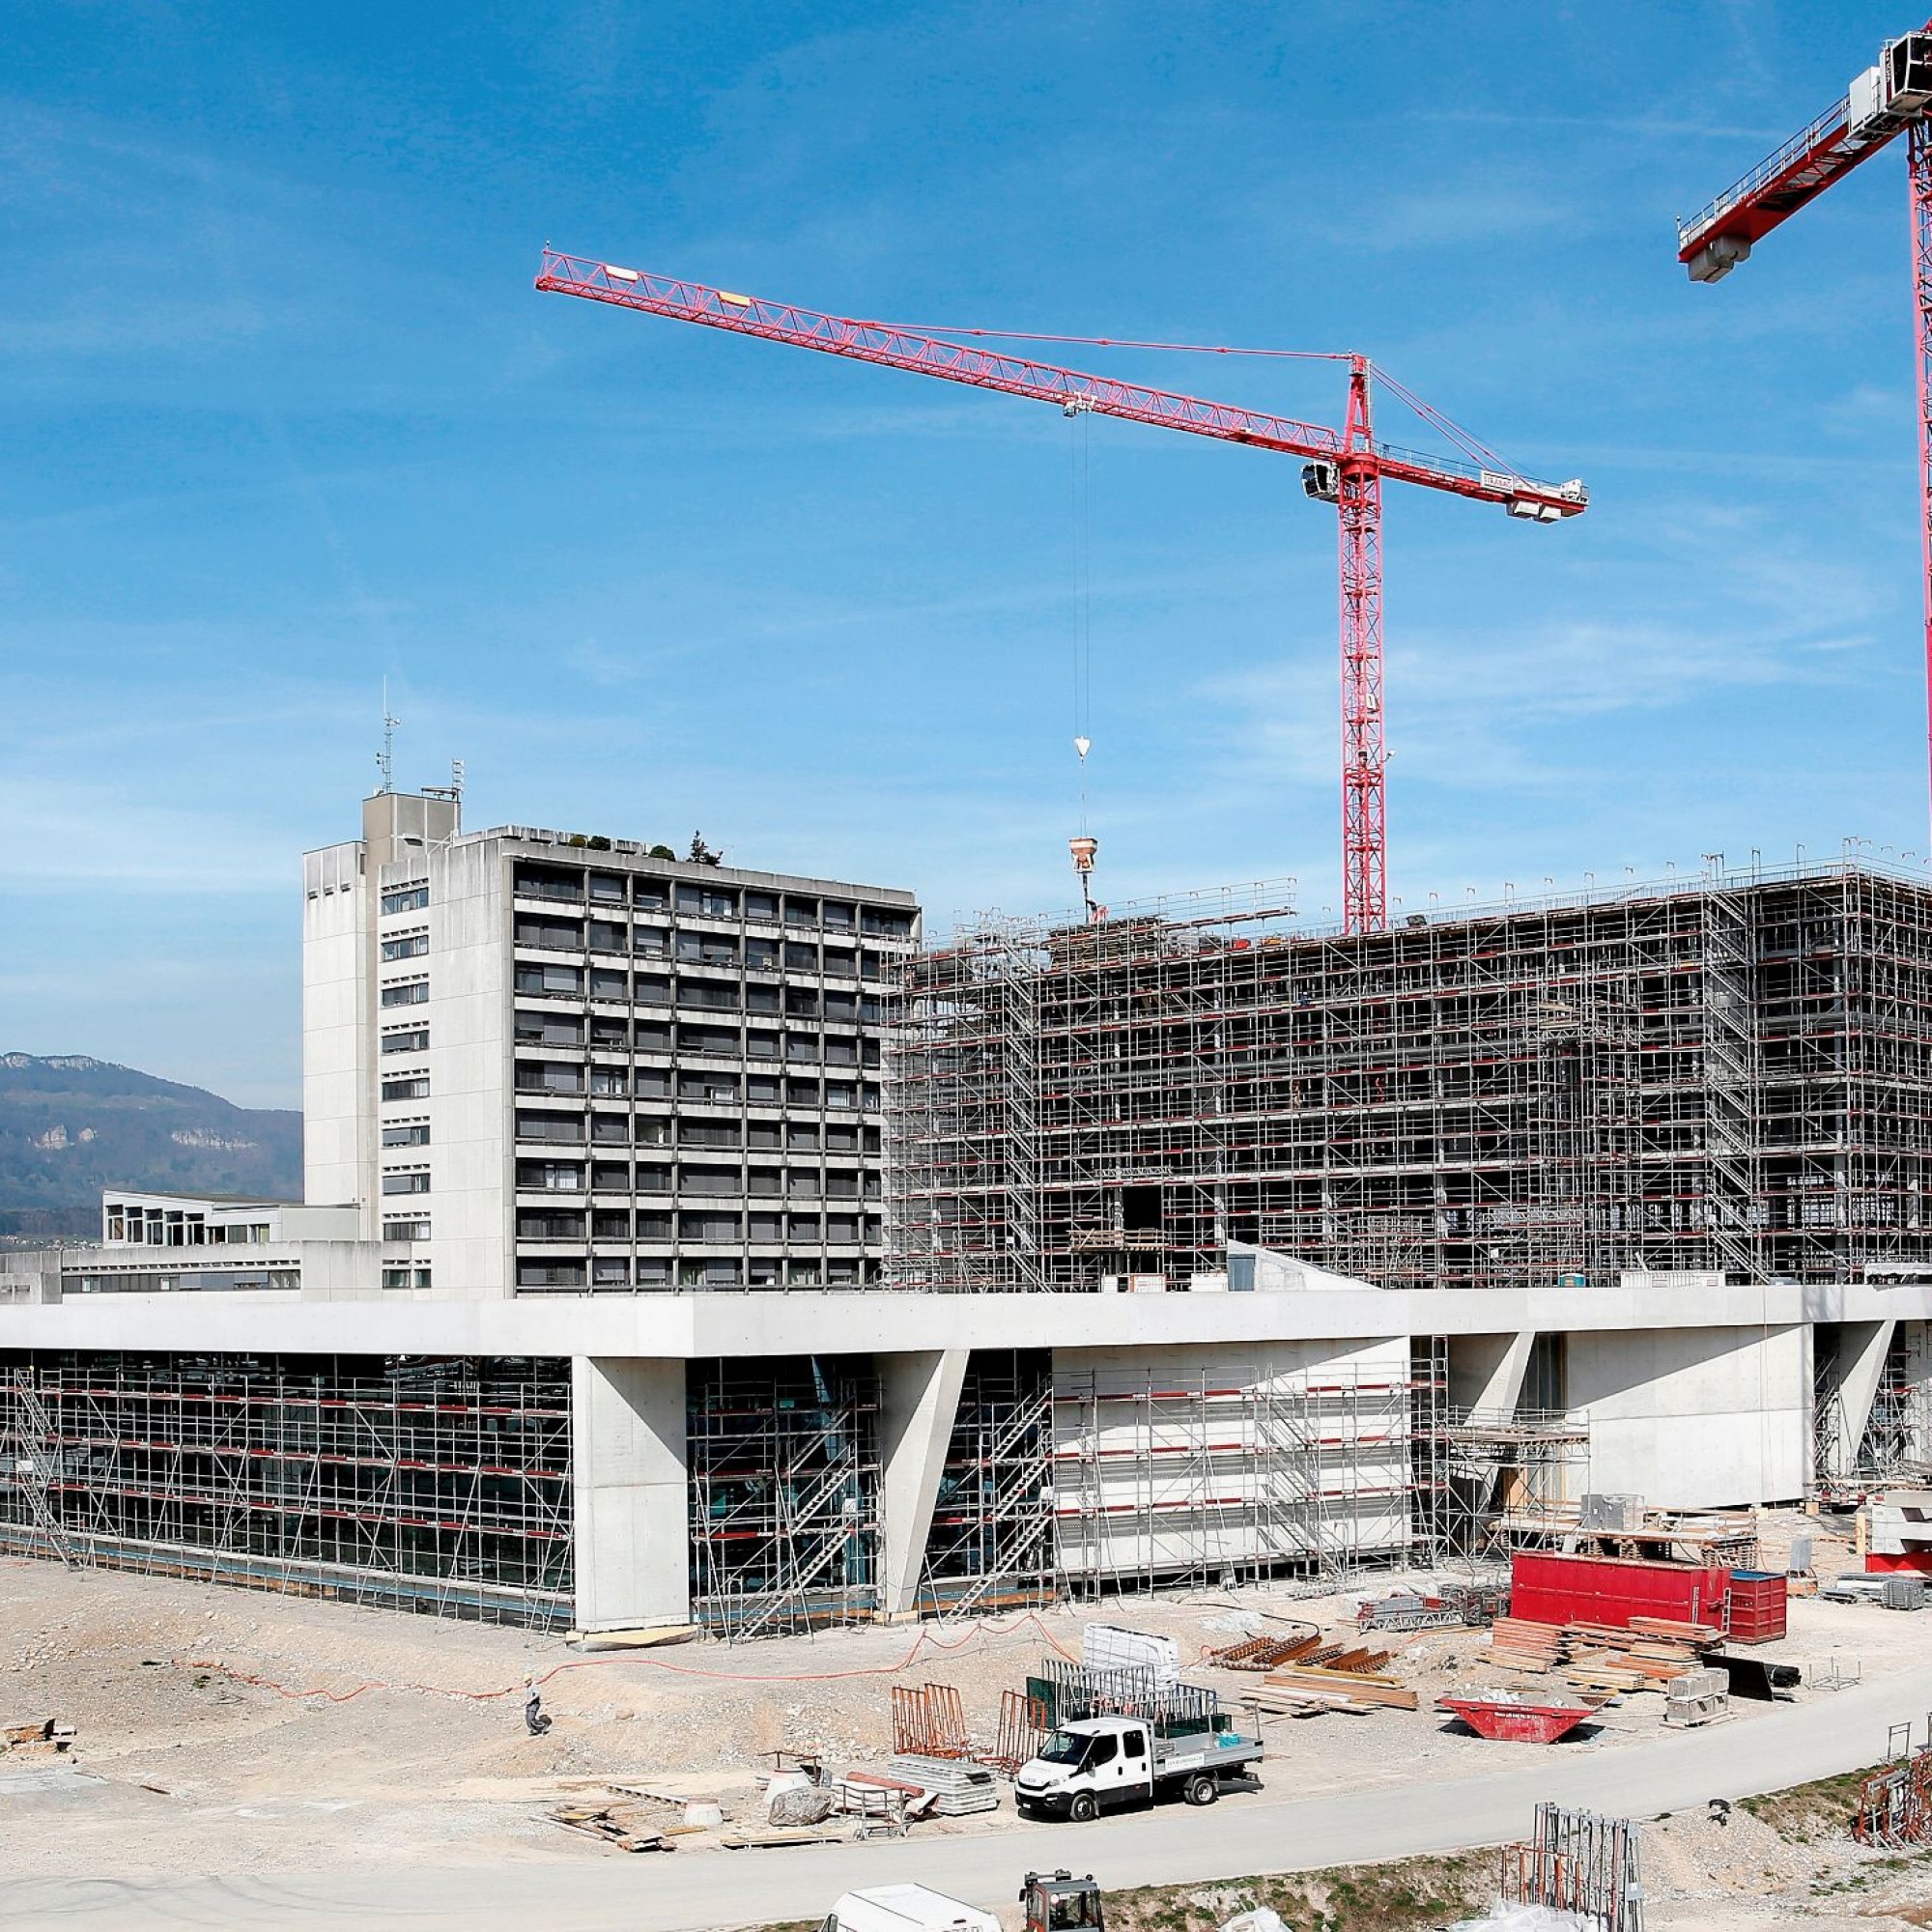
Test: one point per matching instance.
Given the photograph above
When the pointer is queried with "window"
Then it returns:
(609, 888)
(653, 1178)
(408, 946)
(606, 936)
(709, 1225)
(839, 1052)
(415, 1182)
(802, 1227)
(709, 1133)
(801, 912)
(714, 1039)
(801, 1092)
(802, 1133)
(548, 882)
(555, 1176)
(841, 1136)
(609, 1032)
(548, 1077)
(652, 1130)
(886, 925)
(801, 1002)
(548, 1224)
(406, 1277)
(842, 1006)
(651, 1083)
(549, 1126)
(613, 1080)
(565, 935)
(650, 942)
(654, 895)
(566, 981)
(610, 1128)
(762, 1133)
(839, 916)
(606, 985)
(840, 1094)
(413, 1087)
(842, 1185)
(800, 958)
(713, 901)
(653, 1226)
(720, 1273)
(653, 1036)
(406, 1230)
(801, 1181)
(610, 1176)
(611, 1271)
(802, 1275)
(550, 1274)
(534, 1028)
(719, 1087)
(761, 1045)
(761, 999)
(761, 1090)
(405, 899)
(801, 1048)
(416, 1040)
(653, 989)
(761, 905)
(764, 1181)
(765, 1226)
(841, 959)
(842, 1229)
(653, 1271)
(762, 955)
(707, 948)
(405, 1133)
(709, 1180)
(408, 994)
(722, 996)
(763, 1271)
(610, 1224)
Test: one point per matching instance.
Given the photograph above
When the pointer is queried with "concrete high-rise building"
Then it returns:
(542, 1064)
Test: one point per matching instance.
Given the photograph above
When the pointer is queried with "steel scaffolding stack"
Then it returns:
(436, 1485)
(1731, 1074)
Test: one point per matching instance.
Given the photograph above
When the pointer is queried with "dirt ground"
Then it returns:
(222, 1730)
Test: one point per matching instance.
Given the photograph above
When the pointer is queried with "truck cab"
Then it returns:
(1101, 1763)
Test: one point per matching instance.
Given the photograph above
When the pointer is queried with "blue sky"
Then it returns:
(284, 417)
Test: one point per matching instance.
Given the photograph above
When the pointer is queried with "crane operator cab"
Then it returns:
(1060, 1902)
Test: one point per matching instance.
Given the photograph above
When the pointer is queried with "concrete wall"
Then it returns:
(469, 1071)
(338, 1155)
(632, 1535)
(1695, 1418)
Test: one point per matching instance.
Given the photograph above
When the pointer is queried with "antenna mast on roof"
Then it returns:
(385, 758)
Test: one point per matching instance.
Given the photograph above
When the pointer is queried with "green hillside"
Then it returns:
(71, 1126)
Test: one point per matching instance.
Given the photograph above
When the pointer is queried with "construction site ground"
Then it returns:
(222, 1731)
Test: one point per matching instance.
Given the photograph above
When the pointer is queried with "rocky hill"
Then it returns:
(71, 1126)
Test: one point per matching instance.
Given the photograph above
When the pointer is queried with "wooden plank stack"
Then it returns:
(1329, 1687)
(1603, 1658)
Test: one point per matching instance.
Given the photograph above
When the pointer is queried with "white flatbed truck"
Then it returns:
(1100, 1763)
(905, 1908)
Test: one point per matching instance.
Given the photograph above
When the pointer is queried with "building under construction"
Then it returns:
(1730, 1077)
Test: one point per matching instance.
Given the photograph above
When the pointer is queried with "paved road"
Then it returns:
(1277, 1831)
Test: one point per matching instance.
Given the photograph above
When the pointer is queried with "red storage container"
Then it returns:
(1547, 1589)
(1757, 1606)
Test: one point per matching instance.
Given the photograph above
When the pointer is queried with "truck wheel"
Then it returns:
(1082, 1808)
(1202, 1789)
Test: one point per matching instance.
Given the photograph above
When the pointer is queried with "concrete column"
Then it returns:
(919, 1401)
(632, 1535)
(1863, 1347)
(1487, 1371)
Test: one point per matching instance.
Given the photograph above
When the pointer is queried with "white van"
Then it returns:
(905, 1908)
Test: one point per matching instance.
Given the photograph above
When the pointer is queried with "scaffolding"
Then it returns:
(991, 1545)
(440, 1485)
(783, 1488)
(1731, 1076)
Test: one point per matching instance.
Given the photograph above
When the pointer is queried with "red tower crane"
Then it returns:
(1346, 466)
(1886, 100)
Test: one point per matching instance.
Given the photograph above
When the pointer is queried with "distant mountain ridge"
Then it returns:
(71, 1124)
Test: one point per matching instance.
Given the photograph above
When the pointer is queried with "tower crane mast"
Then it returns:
(1890, 98)
(1346, 468)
